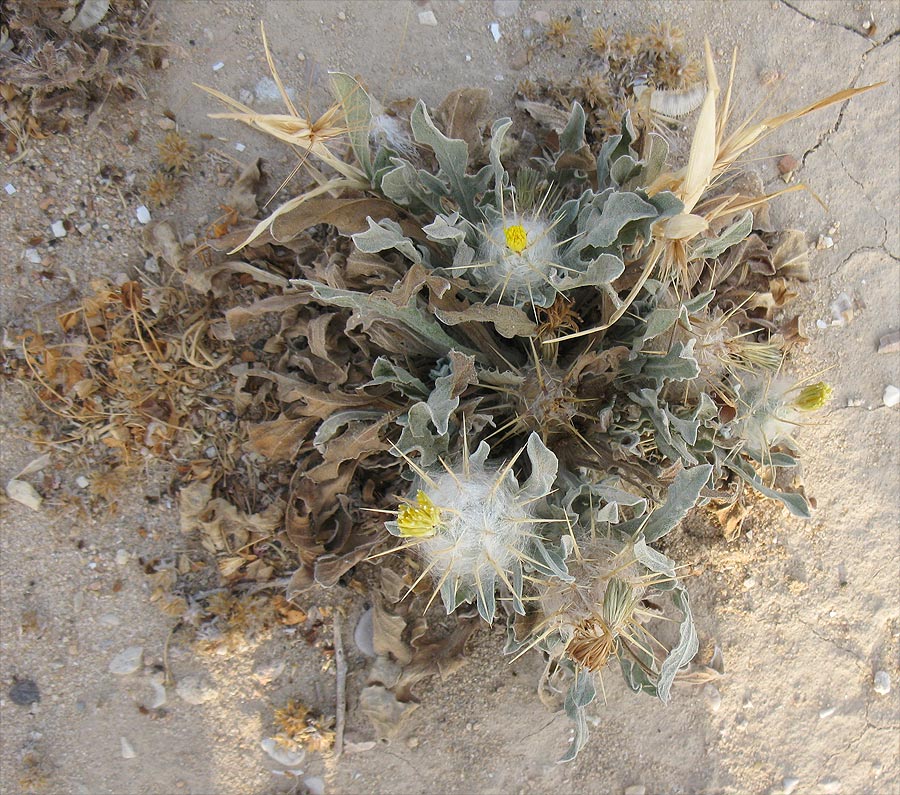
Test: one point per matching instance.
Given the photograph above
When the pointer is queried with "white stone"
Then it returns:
(636, 789)
(494, 27)
(881, 683)
(282, 755)
(143, 214)
(891, 396)
(84, 229)
(9, 188)
(196, 689)
(128, 661)
(315, 785)
(127, 749)
(217, 66)
(827, 712)
(157, 685)
(713, 697)
(789, 784)
(122, 557)
(31, 254)
(427, 17)
(240, 147)
(58, 228)
(830, 785)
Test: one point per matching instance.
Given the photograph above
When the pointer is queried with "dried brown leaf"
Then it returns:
(463, 113)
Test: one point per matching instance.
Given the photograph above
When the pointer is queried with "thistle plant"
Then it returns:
(572, 311)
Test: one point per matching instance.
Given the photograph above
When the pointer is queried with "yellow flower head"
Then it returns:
(813, 397)
(420, 518)
(516, 238)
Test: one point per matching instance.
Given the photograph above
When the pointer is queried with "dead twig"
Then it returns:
(340, 664)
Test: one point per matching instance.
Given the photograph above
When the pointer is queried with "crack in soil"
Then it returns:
(848, 28)
(834, 271)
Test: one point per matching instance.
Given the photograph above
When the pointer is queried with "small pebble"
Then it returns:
(636, 789)
(110, 620)
(821, 323)
(853, 403)
(58, 228)
(217, 66)
(881, 683)
(789, 784)
(84, 229)
(891, 396)
(749, 583)
(889, 343)
(143, 214)
(165, 123)
(788, 164)
(824, 242)
(713, 697)
(827, 712)
(830, 785)
(24, 692)
(9, 188)
(31, 254)
(151, 265)
(122, 557)
(240, 147)
(412, 742)
(342, 16)
(427, 17)
(127, 749)
(196, 690)
(128, 661)
(494, 27)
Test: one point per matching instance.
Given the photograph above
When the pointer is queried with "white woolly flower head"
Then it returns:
(517, 260)
(475, 527)
(769, 410)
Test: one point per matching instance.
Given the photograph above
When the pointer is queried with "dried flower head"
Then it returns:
(600, 41)
(175, 153)
(161, 189)
(559, 29)
(299, 726)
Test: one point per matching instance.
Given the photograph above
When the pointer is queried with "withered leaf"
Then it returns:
(279, 439)
(508, 320)
(442, 657)
(348, 216)
(388, 634)
(384, 710)
(544, 114)
(242, 196)
(790, 255)
(463, 113)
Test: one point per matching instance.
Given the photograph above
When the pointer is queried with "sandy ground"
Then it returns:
(805, 612)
